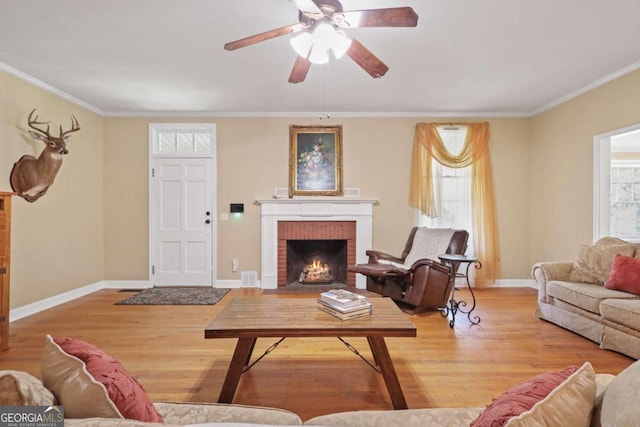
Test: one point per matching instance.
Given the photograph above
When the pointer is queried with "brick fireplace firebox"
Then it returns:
(315, 230)
(331, 214)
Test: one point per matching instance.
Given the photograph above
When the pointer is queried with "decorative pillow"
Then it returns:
(620, 401)
(90, 383)
(625, 275)
(553, 399)
(22, 389)
(593, 263)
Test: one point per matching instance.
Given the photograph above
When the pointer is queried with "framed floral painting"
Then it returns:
(315, 160)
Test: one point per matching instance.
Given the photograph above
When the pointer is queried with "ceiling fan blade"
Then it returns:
(257, 38)
(367, 60)
(300, 70)
(391, 17)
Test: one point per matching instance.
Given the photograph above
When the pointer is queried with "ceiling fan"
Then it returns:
(321, 26)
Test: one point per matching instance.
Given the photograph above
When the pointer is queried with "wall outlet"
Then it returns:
(280, 192)
(351, 192)
(234, 265)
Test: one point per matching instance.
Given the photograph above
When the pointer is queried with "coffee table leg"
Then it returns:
(241, 354)
(373, 351)
(381, 355)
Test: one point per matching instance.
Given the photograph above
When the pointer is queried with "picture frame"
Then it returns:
(315, 160)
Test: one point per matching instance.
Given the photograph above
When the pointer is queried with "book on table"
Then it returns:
(344, 304)
(365, 305)
(365, 310)
(343, 298)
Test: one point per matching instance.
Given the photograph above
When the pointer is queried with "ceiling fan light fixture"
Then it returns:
(324, 36)
(318, 56)
(302, 44)
(341, 44)
(316, 46)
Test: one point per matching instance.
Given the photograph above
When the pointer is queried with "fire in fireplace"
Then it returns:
(317, 272)
(316, 261)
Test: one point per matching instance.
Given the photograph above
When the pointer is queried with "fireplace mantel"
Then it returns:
(312, 209)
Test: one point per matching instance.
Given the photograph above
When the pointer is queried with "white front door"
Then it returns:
(182, 220)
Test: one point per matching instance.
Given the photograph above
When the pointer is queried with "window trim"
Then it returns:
(602, 181)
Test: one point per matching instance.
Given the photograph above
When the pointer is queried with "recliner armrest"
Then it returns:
(374, 256)
(431, 264)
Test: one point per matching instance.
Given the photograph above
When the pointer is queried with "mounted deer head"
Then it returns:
(31, 177)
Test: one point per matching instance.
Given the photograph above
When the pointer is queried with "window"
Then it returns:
(617, 184)
(182, 140)
(452, 188)
(625, 199)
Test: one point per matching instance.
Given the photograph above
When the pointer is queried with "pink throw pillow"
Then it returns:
(625, 275)
(124, 391)
(521, 398)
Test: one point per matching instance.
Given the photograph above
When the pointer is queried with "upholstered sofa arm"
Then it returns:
(375, 256)
(196, 413)
(544, 272)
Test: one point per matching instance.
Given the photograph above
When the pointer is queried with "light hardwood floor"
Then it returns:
(165, 349)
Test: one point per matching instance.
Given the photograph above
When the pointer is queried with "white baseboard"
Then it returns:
(33, 308)
(125, 284)
(234, 284)
(515, 283)
(503, 283)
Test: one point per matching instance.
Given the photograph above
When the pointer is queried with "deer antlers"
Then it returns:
(75, 126)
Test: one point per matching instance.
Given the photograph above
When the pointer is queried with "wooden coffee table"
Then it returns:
(248, 319)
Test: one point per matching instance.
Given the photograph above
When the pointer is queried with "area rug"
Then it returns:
(176, 296)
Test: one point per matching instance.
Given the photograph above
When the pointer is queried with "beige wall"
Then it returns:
(93, 223)
(562, 165)
(57, 241)
(252, 160)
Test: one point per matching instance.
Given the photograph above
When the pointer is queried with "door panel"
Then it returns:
(183, 247)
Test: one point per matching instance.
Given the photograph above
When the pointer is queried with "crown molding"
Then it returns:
(314, 115)
(42, 85)
(591, 86)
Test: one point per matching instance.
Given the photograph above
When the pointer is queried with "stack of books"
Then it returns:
(344, 304)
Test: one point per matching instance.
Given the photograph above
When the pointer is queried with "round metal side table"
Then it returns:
(453, 306)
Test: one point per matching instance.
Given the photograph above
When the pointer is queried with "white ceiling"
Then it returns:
(465, 57)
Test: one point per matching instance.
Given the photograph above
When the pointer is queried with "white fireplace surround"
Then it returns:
(312, 209)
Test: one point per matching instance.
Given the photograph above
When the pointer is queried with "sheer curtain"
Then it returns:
(452, 188)
(428, 145)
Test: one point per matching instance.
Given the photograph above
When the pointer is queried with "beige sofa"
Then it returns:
(583, 398)
(572, 295)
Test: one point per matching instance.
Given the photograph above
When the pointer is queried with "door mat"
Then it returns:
(176, 296)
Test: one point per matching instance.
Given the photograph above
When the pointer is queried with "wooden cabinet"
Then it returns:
(5, 255)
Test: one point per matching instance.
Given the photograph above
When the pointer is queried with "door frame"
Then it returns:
(154, 129)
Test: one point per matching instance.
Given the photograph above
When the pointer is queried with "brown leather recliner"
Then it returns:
(425, 285)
